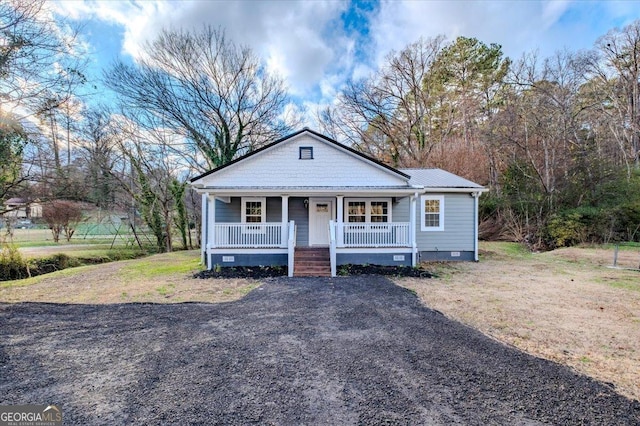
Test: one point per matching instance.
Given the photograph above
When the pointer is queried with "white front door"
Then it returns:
(320, 213)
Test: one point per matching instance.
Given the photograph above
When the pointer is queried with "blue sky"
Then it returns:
(317, 45)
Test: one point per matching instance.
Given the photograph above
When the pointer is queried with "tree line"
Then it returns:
(555, 139)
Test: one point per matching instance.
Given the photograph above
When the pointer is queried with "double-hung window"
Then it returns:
(356, 211)
(432, 213)
(379, 211)
(368, 211)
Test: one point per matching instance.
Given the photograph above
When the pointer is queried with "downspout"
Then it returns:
(476, 196)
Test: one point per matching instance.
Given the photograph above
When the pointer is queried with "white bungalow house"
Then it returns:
(307, 191)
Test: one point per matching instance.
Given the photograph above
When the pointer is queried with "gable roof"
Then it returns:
(438, 178)
(316, 134)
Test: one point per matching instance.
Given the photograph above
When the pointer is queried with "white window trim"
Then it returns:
(263, 215)
(367, 213)
(423, 226)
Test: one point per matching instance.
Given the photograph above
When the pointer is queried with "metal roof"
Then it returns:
(438, 178)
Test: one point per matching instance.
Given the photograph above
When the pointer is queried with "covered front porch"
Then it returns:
(265, 229)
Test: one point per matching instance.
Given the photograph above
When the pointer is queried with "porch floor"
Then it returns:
(312, 262)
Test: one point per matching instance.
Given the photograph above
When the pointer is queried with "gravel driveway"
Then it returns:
(356, 350)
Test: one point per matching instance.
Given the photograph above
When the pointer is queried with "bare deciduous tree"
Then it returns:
(391, 114)
(616, 68)
(200, 85)
(37, 66)
(98, 139)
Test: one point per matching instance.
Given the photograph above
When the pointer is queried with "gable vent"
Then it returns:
(306, 153)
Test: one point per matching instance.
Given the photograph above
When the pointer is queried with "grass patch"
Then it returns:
(165, 290)
(111, 255)
(247, 288)
(181, 262)
(631, 283)
(627, 245)
(585, 359)
(510, 249)
(63, 242)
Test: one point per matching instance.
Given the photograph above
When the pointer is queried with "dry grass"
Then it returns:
(565, 305)
(163, 278)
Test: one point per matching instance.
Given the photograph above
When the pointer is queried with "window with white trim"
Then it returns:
(368, 210)
(379, 211)
(432, 213)
(356, 211)
(254, 210)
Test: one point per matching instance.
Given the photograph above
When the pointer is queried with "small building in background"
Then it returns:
(22, 208)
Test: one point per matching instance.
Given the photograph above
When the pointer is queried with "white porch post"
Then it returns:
(339, 219)
(285, 220)
(203, 229)
(211, 223)
(413, 229)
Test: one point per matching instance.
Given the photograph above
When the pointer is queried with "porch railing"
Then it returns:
(250, 235)
(374, 234)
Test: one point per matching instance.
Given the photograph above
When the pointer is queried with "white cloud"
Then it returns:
(552, 10)
(306, 43)
(294, 38)
(519, 26)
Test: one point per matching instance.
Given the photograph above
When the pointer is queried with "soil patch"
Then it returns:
(396, 271)
(260, 272)
(353, 350)
(246, 272)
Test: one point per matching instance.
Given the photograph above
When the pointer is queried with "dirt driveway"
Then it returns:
(356, 350)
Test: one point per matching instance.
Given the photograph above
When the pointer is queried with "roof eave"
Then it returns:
(353, 191)
(455, 189)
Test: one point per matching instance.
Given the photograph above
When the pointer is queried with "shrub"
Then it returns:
(12, 264)
(566, 229)
(62, 215)
(53, 263)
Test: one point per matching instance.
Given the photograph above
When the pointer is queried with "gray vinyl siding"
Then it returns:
(232, 212)
(458, 226)
(400, 210)
(228, 212)
(274, 209)
(300, 215)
